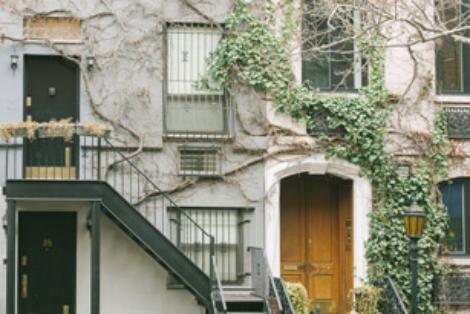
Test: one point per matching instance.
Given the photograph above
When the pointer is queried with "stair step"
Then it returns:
(238, 288)
(242, 297)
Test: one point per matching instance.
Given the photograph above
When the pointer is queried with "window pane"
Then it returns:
(449, 53)
(452, 196)
(337, 67)
(196, 114)
(343, 66)
(449, 63)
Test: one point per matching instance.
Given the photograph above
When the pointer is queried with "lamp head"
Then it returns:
(14, 62)
(414, 220)
(90, 63)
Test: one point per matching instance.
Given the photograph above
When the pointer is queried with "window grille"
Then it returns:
(223, 225)
(197, 161)
(190, 110)
(52, 28)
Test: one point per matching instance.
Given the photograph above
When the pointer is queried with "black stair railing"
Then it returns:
(390, 301)
(287, 306)
(92, 158)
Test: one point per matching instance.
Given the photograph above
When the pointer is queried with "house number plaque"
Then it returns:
(47, 244)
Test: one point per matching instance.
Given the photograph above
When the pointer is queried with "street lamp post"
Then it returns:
(414, 221)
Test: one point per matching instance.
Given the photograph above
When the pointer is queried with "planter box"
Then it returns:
(64, 132)
(85, 131)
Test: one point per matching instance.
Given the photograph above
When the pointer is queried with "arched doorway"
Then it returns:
(317, 238)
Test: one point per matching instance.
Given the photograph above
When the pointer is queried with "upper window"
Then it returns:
(456, 197)
(331, 61)
(190, 110)
(62, 29)
(452, 58)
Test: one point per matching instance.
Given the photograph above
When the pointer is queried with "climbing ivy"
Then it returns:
(253, 53)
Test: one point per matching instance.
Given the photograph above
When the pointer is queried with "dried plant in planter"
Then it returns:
(93, 129)
(22, 129)
(367, 298)
(63, 128)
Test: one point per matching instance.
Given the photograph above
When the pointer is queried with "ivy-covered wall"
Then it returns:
(259, 55)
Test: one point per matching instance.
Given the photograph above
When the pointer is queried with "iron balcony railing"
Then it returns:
(452, 289)
(95, 158)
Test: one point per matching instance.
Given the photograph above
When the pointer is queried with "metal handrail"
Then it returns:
(391, 301)
(281, 287)
(397, 296)
(87, 157)
(217, 285)
(268, 278)
(160, 192)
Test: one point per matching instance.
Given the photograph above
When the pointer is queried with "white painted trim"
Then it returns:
(278, 169)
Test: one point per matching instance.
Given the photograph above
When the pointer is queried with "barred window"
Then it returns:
(224, 226)
(200, 161)
(191, 110)
(52, 28)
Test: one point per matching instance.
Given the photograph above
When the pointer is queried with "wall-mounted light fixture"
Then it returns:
(14, 62)
(90, 63)
(5, 222)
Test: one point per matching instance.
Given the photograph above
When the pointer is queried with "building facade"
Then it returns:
(195, 180)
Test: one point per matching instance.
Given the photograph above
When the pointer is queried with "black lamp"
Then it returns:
(414, 219)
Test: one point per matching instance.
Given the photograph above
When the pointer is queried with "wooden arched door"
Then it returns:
(316, 238)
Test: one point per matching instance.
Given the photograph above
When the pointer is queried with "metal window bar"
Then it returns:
(200, 161)
(222, 225)
(190, 110)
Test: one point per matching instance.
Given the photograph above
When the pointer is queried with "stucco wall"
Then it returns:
(126, 85)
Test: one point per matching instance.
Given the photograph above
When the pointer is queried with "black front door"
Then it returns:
(47, 262)
(51, 93)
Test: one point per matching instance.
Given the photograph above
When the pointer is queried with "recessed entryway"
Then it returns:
(317, 238)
